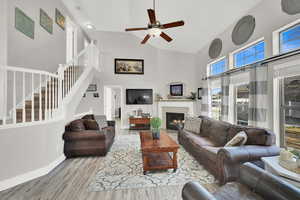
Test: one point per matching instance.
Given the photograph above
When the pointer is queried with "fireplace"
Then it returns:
(173, 117)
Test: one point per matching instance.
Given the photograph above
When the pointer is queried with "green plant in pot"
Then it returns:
(155, 127)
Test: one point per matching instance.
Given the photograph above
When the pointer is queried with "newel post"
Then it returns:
(61, 92)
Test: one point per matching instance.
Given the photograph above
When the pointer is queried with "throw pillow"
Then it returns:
(239, 140)
(101, 121)
(91, 124)
(77, 125)
(193, 124)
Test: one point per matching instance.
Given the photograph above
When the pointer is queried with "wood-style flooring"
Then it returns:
(70, 180)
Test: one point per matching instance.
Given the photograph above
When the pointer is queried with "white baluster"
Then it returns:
(14, 99)
(32, 99)
(40, 111)
(52, 99)
(24, 100)
(46, 97)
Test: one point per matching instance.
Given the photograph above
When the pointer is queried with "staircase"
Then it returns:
(48, 91)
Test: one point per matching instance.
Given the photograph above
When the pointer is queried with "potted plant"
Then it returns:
(296, 154)
(155, 123)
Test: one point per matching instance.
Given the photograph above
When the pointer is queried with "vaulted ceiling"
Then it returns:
(204, 19)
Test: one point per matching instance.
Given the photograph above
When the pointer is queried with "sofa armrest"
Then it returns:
(111, 123)
(230, 159)
(194, 191)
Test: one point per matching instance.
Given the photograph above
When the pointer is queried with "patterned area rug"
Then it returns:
(122, 168)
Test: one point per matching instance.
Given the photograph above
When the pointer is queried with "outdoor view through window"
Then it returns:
(291, 109)
(216, 103)
(242, 104)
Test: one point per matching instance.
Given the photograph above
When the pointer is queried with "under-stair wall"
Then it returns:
(32, 147)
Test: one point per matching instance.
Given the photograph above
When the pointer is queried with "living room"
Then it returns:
(149, 99)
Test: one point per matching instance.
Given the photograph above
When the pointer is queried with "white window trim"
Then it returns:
(231, 55)
(276, 36)
(213, 62)
(294, 71)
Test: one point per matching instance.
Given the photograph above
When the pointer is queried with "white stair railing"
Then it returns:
(33, 95)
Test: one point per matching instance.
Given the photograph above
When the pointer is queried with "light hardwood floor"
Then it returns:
(70, 180)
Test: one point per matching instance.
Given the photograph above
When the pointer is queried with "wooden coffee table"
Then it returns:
(158, 154)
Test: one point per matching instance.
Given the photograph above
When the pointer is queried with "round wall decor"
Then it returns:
(215, 48)
(243, 30)
(290, 7)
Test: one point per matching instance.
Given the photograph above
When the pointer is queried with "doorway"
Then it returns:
(113, 103)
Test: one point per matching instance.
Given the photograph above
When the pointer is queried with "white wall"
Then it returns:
(29, 148)
(46, 51)
(269, 17)
(161, 68)
(3, 52)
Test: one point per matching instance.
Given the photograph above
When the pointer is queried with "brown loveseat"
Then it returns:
(85, 137)
(224, 162)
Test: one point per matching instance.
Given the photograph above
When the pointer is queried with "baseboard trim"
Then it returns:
(9, 183)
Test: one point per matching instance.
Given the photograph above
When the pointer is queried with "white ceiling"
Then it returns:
(204, 19)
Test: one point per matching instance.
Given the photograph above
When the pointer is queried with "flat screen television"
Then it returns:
(139, 96)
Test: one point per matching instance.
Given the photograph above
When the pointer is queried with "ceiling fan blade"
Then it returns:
(146, 39)
(173, 24)
(152, 16)
(135, 29)
(166, 37)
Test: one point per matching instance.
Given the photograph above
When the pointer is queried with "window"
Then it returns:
(250, 55)
(291, 112)
(242, 104)
(216, 103)
(290, 39)
(218, 67)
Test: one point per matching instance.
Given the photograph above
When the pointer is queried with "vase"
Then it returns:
(155, 134)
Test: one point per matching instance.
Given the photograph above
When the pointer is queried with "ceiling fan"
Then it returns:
(155, 28)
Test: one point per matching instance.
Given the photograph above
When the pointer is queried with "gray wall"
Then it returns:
(161, 67)
(46, 51)
(28, 148)
(269, 17)
(3, 52)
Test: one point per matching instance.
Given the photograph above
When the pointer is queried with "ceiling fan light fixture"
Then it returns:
(90, 26)
(154, 32)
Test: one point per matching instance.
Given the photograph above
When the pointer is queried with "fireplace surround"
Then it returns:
(171, 117)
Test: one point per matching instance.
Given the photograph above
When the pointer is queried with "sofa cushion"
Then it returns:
(236, 191)
(101, 120)
(205, 126)
(218, 132)
(91, 124)
(198, 140)
(193, 124)
(77, 125)
(89, 117)
(233, 130)
(256, 136)
(238, 140)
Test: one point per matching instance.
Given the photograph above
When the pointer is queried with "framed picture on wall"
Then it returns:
(129, 66)
(46, 22)
(60, 19)
(176, 90)
(92, 88)
(200, 93)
